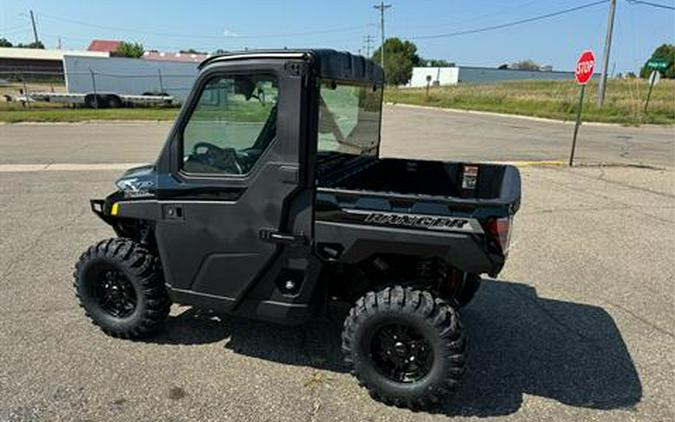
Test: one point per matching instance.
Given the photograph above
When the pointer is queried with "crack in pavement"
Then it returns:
(642, 319)
(596, 194)
(622, 184)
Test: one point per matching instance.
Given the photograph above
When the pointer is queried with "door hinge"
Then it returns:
(278, 237)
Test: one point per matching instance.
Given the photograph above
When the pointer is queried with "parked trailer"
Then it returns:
(99, 99)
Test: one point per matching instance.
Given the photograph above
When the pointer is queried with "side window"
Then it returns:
(231, 126)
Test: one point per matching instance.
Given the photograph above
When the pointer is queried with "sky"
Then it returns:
(208, 25)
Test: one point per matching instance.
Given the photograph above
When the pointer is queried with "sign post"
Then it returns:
(654, 78)
(428, 84)
(582, 74)
(655, 65)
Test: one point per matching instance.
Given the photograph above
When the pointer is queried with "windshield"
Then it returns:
(349, 118)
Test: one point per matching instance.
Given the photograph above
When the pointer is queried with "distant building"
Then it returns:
(106, 46)
(174, 57)
(110, 46)
(14, 59)
(472, 74)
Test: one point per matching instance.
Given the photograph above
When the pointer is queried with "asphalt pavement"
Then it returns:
(425, 133)
(578, 326)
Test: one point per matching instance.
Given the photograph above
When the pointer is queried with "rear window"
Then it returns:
(349, 118)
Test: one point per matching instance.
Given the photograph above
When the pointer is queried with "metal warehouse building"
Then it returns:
(472, 74)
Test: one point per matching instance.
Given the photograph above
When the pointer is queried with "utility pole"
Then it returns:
(382, 7)
(368, 41)
(32, 19)
(605, 57)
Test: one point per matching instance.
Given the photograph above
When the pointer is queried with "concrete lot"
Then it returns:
(406, 130)
(579, 325)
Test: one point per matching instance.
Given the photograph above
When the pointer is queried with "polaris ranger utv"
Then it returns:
(269, 200)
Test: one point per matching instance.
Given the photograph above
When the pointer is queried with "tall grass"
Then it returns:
(624, 100)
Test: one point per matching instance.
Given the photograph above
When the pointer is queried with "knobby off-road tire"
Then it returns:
(119, 284)
(421, 320)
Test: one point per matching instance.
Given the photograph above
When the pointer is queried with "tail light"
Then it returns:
(500, 229)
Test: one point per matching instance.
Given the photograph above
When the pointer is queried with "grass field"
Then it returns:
(624, 101)
(39, 112)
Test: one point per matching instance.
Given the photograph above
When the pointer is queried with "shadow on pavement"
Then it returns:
(519, 344)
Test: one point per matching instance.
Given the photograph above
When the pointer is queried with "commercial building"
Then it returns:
(472, 74)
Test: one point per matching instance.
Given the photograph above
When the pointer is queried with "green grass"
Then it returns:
(40, 113)
(624, 101)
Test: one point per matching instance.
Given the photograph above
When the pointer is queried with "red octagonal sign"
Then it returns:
(585, 67)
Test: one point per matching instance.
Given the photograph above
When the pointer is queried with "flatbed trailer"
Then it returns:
(98, 99)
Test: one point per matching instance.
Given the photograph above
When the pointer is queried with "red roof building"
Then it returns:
(106, 46)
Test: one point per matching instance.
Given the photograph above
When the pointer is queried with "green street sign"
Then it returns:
(657, 64)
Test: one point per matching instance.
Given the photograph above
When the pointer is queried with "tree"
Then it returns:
(526, 65)
(436, 63)
(35, 44)
(4, 42)
(129, 49)
(664, 52)
(399, 59)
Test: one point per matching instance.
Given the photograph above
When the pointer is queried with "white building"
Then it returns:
(472, 74)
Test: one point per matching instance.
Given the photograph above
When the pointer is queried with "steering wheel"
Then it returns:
(224, 159)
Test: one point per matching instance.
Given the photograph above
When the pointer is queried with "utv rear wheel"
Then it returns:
(405, 346)
(120, 286)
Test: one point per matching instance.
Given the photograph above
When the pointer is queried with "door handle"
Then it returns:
(278, 237)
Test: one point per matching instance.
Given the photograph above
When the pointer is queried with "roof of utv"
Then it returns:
(330, 64)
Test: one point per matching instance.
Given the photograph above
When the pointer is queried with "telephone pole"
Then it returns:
(32, 20)
(368, 43)
(382, 7)
(605, 57)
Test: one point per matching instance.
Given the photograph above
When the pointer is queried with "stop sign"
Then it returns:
(585, 67)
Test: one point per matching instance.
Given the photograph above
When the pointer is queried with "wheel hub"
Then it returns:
(401, 353)
(116, 294)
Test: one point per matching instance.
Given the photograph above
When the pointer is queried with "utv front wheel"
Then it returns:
(406, 347)
(120, 286)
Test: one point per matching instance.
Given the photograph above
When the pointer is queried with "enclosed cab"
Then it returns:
(269, 200)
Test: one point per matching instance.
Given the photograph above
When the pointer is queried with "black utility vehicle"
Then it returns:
(269, 201)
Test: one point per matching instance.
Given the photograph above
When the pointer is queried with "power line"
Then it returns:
(509, 24)
(647, 3)
(215, 37)
(16, 31)
(476, 18)
(12, 28)
(368, 43)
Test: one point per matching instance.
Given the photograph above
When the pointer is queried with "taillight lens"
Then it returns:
(500, 229)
